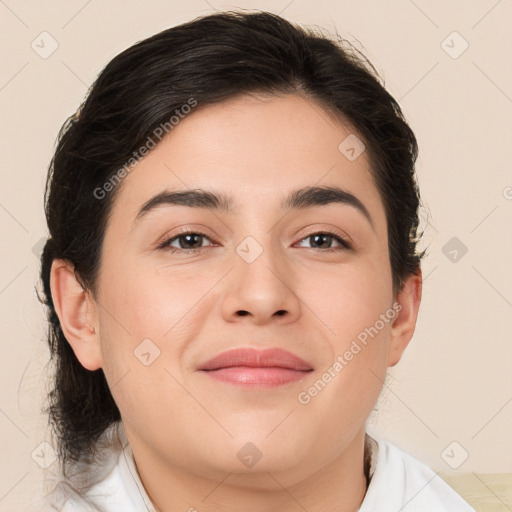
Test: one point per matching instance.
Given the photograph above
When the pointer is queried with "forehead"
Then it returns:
(253, 149)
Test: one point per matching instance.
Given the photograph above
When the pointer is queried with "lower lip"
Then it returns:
(267, 377)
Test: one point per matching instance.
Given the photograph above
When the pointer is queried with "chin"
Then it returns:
(252, 455)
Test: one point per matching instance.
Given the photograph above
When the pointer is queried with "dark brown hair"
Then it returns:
(210, 59)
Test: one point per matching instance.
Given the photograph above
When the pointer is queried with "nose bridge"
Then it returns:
(259, 284)
(258, 259)
(257, 235)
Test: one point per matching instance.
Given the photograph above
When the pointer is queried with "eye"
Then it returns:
(189, 241)
(325, 238)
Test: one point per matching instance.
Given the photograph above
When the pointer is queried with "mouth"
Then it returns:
(250, 367)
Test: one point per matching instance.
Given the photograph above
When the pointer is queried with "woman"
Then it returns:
(232, 267)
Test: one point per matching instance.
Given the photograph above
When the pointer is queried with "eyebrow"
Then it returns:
(302, 198)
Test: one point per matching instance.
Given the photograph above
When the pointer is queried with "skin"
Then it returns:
(185, 428)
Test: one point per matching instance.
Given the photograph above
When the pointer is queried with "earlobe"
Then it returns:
(407, 304)
(77, 314)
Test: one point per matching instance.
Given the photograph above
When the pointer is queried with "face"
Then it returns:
(311, 279)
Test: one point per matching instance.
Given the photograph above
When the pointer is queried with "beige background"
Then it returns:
(454, 383)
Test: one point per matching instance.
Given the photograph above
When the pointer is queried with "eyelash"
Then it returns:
(166, 247)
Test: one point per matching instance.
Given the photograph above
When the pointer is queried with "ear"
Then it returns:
(77, 314)
(407, 303)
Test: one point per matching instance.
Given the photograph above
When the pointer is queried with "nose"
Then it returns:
(260, 286)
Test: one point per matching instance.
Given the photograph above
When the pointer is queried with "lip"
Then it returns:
(257, 368)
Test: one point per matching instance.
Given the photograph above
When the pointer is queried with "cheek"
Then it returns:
(353, 299)
(136, 354)
(145, 323)
(150, 304)
(358, 311)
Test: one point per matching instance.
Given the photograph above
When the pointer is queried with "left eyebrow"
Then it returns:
(302, 198)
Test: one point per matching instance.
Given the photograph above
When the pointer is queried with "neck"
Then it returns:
(337, 486)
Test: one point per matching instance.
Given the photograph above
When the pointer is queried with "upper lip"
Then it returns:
(256, 358)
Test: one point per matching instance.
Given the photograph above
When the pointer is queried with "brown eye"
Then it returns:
(323, 240)
(189, 242)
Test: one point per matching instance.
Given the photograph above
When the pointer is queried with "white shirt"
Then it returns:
(398, 483)
(402, 483)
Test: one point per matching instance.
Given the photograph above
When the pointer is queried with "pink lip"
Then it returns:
(258, 368)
